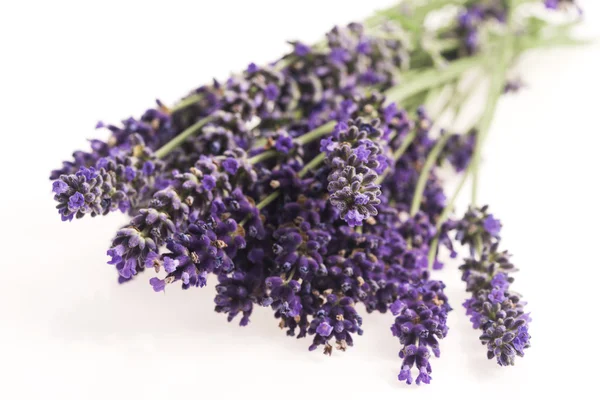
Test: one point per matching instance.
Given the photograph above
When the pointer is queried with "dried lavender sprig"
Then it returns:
(355, 156)
(117, 183)
(170, 208)
(493, 308)
(421, 320)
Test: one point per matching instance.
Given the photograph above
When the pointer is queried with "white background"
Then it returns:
(69, 331)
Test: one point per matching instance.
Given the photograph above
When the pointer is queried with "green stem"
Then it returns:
(429, 163)
(265, 155)
(478, 245)
(495, 91)
(289, 278)
(430, 78)
(267, 200)
(398, 153)
(186, 102)
(308, 137)
(316, 133)
(312, 164)
(179, 139)
(461, 97)
(307, 168)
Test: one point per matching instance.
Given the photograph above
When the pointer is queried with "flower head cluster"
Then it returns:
(421, 312)
(301, 190)
(172, 209)
(338, 320)
(119, 182)
(493, 307)
(355, 156)
(352, 60)
(478, 228)
(155, 128)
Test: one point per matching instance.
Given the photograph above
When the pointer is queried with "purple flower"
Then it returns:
(492, 225)
(129, 174)
(500, 281)
(284, 143)
(252, 68)
(405, 375)
(324, 329)
(87, 173)
(113, 185)
(493, 308)
(301, 49)
(478, 228)
(59, 187)
(364, 47)
(353, 161)
(272, 92)
(76, 201)
(421, 311)
(361, 199)
(209, 182)
(230, 165)
(337, 317)
(339, 55)
(157, 284)
(170, 264)
(362, 153)
(148, 168)
(185, 278)
(397, 307)
(354, 218)
(152, 260)
(327, 145)
(496, 296)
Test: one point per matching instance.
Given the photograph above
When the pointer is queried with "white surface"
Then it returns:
(68, 331)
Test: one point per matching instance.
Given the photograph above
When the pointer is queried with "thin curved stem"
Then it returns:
(315, 162)
(307, 168)
(308, 137)
(422, 181)
(430, 78)
(397, 154)
(179, 139)
(186, 102)
(265, 155)
(495, 91)
(316, 133)
(267, 200)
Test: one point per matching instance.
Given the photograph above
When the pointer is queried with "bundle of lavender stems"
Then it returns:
(311, 186)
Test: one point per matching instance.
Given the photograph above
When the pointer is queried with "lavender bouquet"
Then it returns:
(311, 186)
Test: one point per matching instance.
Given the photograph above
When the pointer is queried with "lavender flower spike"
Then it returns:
(353, 154)
(118, 182)
(421, 320)
(493, 307)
